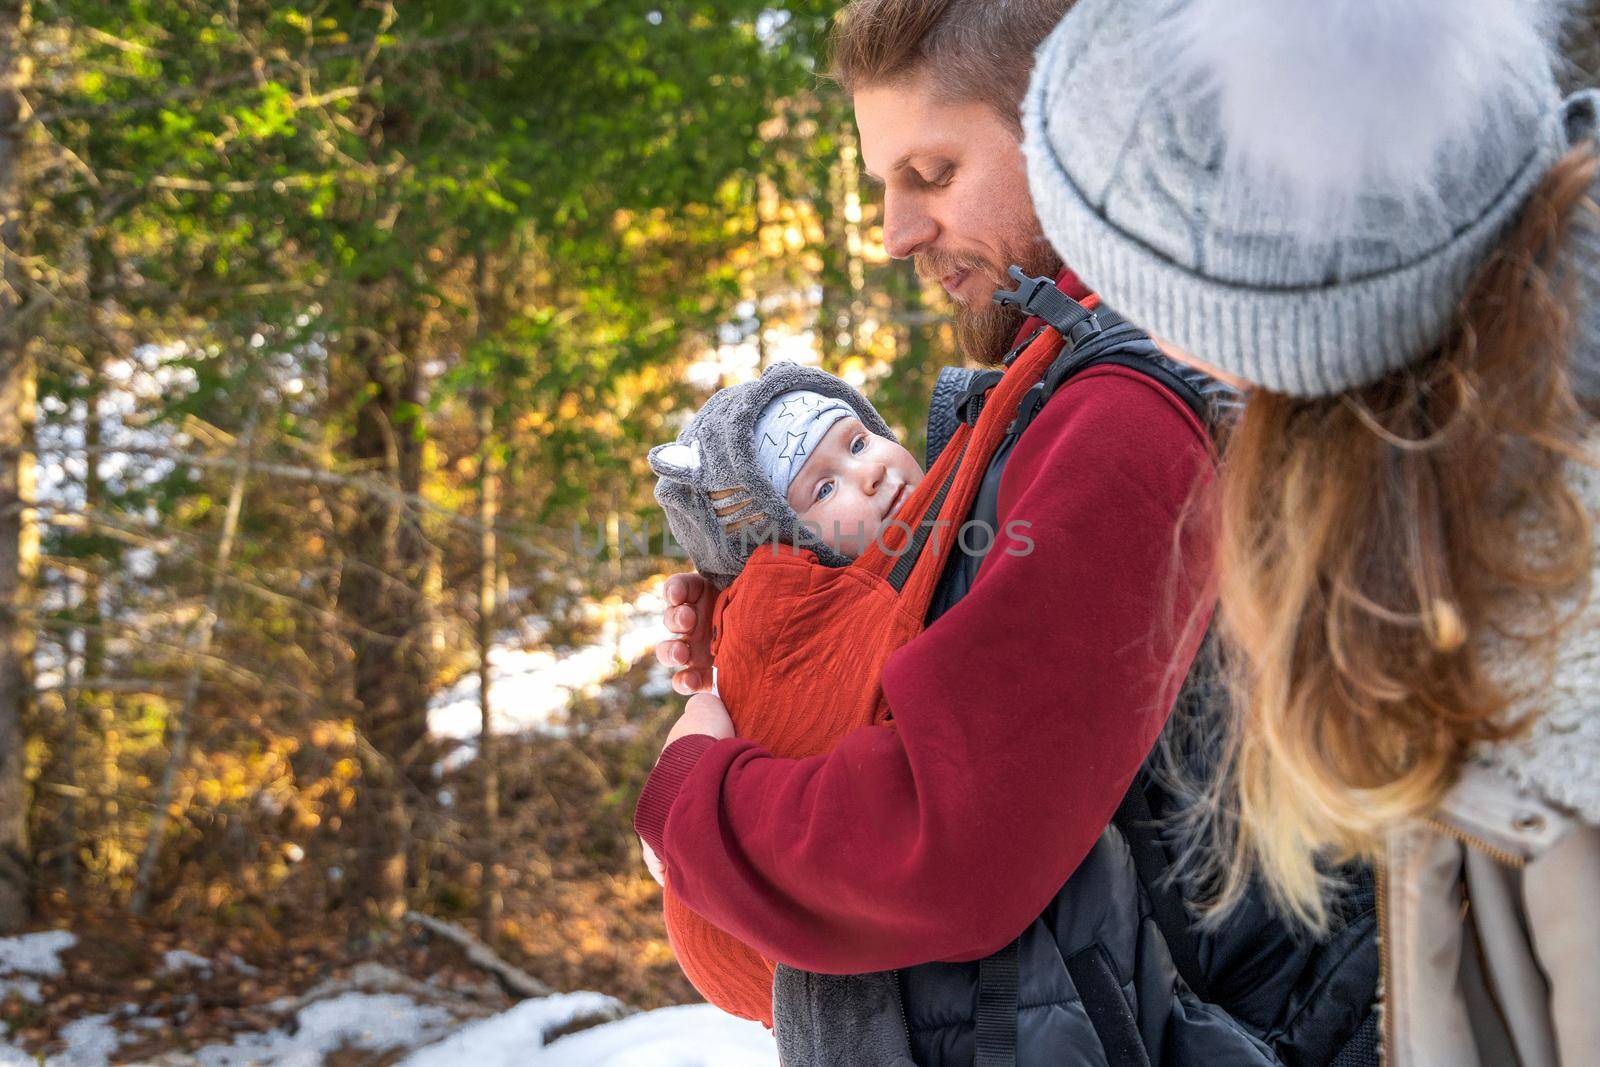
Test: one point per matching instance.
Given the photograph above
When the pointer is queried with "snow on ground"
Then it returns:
(694, 1035)
(372, 1021)
(180, 959)
(90, 1040)
(531, 688)
(26, 988)
(38, 954)
(511, 1032)
(31, 954)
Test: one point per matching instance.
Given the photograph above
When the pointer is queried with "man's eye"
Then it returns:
(824, 491)
(859, 445)
(941, 177)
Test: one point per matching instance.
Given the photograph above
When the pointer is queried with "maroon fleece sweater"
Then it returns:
(1021, 715)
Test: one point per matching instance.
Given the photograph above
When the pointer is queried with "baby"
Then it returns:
(796, 456)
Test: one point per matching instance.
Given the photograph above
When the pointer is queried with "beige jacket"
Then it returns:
(1490, 918)
(1490, 911)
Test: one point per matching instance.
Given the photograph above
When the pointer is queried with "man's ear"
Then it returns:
(677, 460)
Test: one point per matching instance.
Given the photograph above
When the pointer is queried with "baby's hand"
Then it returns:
(652, 864)
(704, 714)
(688, 615)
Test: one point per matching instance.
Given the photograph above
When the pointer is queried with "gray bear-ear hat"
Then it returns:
(719, 504)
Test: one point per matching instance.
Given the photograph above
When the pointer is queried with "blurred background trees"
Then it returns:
(332, 338)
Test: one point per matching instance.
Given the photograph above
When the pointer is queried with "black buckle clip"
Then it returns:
(970, 404)
(1022, 346)
(1032, 403)
(1039, 297)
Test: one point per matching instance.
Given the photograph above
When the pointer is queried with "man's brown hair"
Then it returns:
(974, 49)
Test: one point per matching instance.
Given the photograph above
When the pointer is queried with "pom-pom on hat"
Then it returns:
(1296, 191)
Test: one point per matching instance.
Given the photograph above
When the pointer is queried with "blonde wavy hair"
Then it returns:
(1369, 543)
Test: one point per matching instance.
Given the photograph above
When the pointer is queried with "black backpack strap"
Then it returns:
(1138, 828)
(996, 1034)
(942, 419)
(1113, 1020)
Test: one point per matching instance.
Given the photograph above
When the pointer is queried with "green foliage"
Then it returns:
(325, 218)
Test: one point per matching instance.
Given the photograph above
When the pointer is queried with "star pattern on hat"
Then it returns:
(795, 447)
(801, 399)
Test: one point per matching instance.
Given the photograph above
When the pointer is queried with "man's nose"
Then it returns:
(906, 228)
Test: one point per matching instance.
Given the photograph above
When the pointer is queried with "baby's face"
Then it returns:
(852, 485)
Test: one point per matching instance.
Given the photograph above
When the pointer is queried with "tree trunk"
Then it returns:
(19, 537)
(71, 708)
(488, 586)
(99, 711)
(382, 595)
(854, 247)
(85, 647)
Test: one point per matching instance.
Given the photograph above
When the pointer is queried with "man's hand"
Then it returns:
(704, 714)
(688, 617)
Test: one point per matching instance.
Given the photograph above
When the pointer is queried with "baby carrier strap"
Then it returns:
(911, 554)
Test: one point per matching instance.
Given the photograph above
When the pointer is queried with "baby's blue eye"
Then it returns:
(858, 445)
(824, 491)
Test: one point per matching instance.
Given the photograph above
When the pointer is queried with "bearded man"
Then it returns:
(976, 829)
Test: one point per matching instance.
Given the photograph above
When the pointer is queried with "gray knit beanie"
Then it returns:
(1296, 191)
(711, 478)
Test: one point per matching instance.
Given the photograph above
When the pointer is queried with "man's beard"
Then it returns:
(985, 330)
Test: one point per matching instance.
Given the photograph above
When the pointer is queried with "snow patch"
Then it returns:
(696, 1035)
(179, 960)
(511, 1033)
(35, 953)
(91, 1041)
(532, 688)
(658, 684)
(26, 988)
(374, 1022)
(692, 1035)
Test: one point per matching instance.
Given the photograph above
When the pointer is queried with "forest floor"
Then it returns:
(111, 991)
(285, 981)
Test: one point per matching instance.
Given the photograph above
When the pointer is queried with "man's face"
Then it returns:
(955, 199)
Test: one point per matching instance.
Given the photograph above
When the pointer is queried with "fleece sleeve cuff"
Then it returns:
(661, 788)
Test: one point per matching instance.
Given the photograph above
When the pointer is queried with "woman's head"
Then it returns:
(1365, 214)
(1371, 543)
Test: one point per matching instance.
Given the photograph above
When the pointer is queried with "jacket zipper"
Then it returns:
(1380, 870)
(900, 1002)
(1499, 855)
